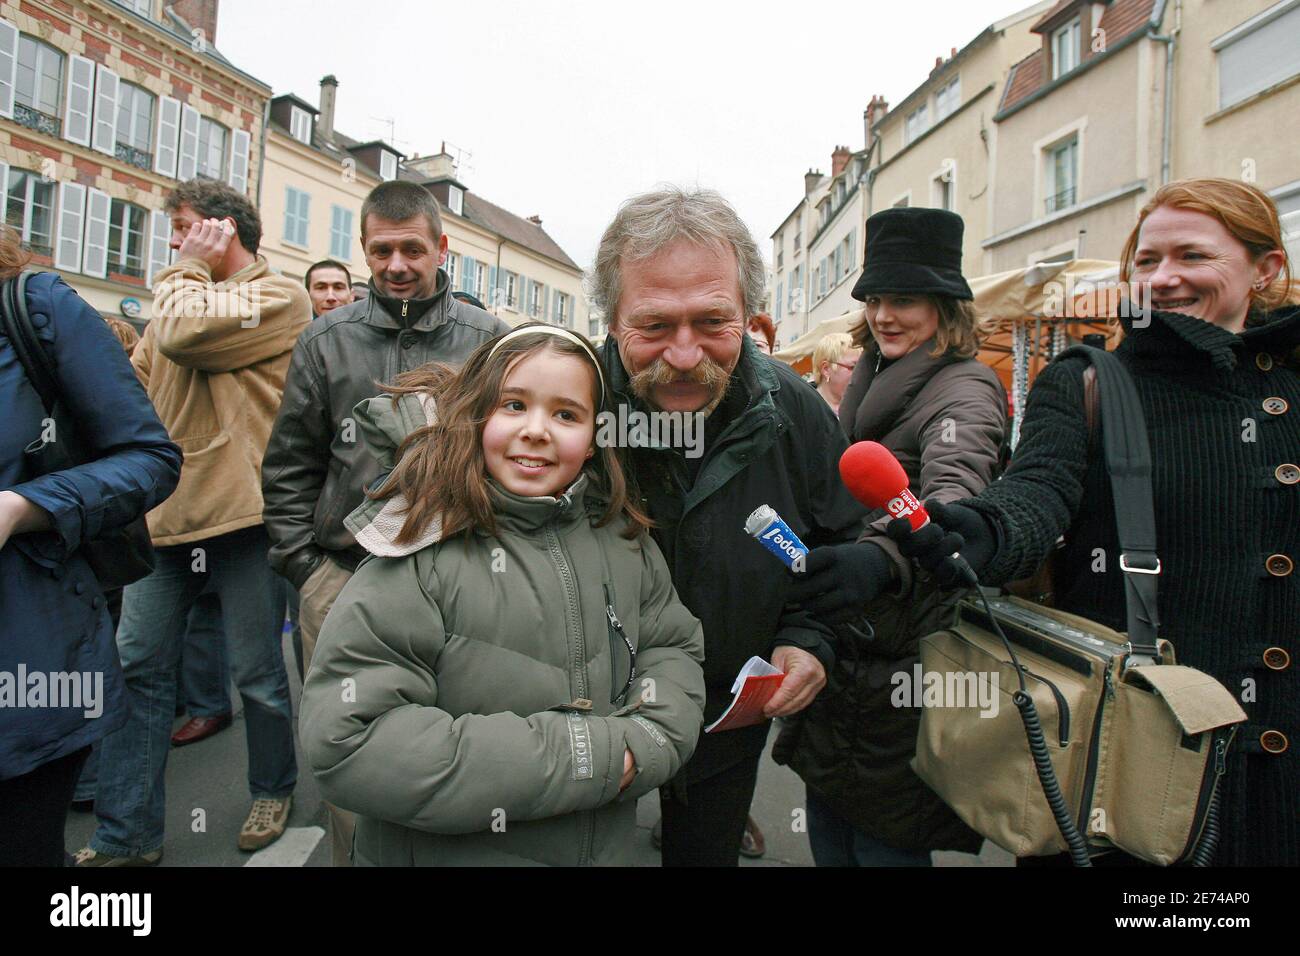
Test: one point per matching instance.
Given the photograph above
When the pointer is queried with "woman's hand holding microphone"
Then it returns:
(952, 530)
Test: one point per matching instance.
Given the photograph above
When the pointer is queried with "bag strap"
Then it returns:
(1128, 461)
(17, 326)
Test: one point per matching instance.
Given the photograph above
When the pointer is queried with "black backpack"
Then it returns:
(120, 556)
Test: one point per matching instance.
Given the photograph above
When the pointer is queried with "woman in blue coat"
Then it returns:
(61, 683)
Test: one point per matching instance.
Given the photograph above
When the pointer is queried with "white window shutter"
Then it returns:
(160, 234)
(8, 67)
(188, 163)
(94, 260)
(78, 106)
(72, 223)
(169, 128)
(107, 85)
(239, 160)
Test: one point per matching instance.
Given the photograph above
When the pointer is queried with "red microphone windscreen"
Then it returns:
(872, 474)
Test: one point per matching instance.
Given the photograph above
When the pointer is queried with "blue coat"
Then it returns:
(53, 617)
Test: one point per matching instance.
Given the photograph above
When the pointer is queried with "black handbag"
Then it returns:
(119, 556)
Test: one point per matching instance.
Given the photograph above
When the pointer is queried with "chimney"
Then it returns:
(329, 91)
(438, 166)
(840, 159)
(535, 220)
(200, 15)
(873, 114)
(810, 180)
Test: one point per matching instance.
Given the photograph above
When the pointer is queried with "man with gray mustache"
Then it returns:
(679, 276)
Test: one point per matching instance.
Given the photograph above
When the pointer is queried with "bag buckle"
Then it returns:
(1125, 566)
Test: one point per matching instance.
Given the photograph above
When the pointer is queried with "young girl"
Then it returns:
(512, 668)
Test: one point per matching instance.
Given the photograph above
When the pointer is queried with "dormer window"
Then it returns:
(947, 99)
(300, 125)
(387, 166)
(456, 200)
(918, 121)
(1065, 48)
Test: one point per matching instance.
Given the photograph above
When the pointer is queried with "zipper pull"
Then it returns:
(1110, 686)
(405, 303)
(1220, 757)
(613, 618)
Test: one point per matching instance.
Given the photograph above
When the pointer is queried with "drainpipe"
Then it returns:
(261, 152)
(1171, 45)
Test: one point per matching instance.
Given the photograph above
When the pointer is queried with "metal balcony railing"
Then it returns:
(34, 119)
(134, 157)
(1062, 200)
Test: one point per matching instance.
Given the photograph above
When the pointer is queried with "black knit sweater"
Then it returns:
(1225, 502)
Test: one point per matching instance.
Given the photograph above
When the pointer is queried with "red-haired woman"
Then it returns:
(1216, 363)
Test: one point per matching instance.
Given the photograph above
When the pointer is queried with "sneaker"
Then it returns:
(752, 844)
(88, 857)
(265, 823)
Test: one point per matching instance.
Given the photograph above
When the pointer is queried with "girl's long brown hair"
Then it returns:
(441, 470)
(13, 257)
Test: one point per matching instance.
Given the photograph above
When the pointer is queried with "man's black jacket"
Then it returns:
(772, 441)
(316, 465)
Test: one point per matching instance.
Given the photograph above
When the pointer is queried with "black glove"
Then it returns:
(839, 580)
(953, 529)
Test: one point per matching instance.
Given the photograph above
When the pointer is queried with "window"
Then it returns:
(1062, 174)
(456, 200)
(300, 124)
(134, 125)
(780, 300)
(512, 290)
(38, 85)
(796, 289)
(839, 264)
(30, 210)
(1259, 54)
(561, 309)
(451, 269)
(593, 326)
(340, 233)
(1065, 48)
(387, 166)
(480, 281)
(296, 203)
(847, 248)
(947, 99)
(126, 239)
(142, 7)
(212, 151)
(535, 299)
(780, 258)
(917, 123)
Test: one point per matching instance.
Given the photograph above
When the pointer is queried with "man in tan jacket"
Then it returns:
(213, 361)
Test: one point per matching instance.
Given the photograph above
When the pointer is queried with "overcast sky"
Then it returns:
(564, 109)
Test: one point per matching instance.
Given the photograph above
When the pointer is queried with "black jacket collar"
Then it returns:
(1175, 338)
(424, 315)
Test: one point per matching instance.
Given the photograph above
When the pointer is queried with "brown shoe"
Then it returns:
(265, 823)
(752, 844)
(198, 728)
(87, 857)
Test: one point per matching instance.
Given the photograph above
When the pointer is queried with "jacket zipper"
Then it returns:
(405, 303)
(618, 688)
(561, 560)
(1215, 765)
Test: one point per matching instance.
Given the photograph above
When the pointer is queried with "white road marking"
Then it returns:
(292, 849)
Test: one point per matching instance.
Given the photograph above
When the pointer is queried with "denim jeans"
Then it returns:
(204, 673)
(130, 802)
(836, 843)
(203, 679)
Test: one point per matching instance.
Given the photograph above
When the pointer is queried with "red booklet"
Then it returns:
(754, 687)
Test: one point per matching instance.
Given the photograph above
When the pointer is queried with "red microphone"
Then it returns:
(873, 475)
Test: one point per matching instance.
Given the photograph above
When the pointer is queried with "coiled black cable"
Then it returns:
(1209, 842)
(1038, 750)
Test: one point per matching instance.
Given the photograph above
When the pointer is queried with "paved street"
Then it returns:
(207, 800)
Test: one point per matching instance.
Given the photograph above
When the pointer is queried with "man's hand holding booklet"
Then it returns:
(755, 684)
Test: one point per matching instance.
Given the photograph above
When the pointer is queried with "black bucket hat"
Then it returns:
(913, 250)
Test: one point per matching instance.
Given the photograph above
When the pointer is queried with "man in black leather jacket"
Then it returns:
(316, 466)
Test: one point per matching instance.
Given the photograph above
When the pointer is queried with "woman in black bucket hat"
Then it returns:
(920, 392)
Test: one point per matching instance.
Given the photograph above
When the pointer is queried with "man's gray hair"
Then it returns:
(647, 223)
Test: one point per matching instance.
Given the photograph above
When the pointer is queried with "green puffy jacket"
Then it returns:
(471, 700)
